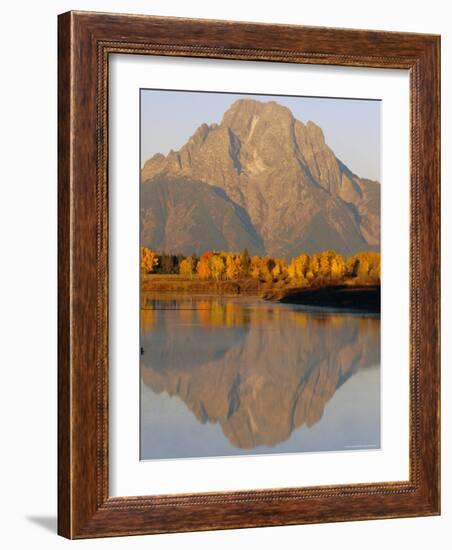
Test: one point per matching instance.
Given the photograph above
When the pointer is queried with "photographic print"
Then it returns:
(259, 274)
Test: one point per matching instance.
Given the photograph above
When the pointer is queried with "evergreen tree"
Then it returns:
(246, 263)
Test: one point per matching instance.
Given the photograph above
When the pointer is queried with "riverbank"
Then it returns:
(353, 298)
(348, 297)
(180, 284)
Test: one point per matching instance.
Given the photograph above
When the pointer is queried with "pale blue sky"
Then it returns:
(351, 126)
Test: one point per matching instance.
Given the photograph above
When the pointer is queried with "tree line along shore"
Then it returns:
(323, 278)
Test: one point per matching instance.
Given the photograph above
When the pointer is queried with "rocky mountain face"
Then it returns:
(260, 179)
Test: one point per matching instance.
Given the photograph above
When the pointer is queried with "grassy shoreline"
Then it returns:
(341, 296)
(178, 283)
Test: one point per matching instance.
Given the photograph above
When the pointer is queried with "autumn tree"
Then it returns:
(319, 269)
(187, 266)
(298, 267)
(279, 270)
(368, 267)
(265, 269)
(217, 266)
(375, 268)
(351, 266)
(332, 265)
(233, 266)
(325, 263)
(255, 268)
(149, 260)
(203, 268)
(364, 267)
(314, 265)
(338, 268)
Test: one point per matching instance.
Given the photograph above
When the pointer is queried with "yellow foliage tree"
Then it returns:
(149, 260)
(255, 269)
(292, 269)
(298, 267)
(364, 267)
(314, 264)
(217, 267)
(338, 268)
(280, 269)
(325, 263)
(233, 266)
(187, 267)
(319, 269)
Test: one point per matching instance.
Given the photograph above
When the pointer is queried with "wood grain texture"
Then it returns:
(64, 295)
(85, 42)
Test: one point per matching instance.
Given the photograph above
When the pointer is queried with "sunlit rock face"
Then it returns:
(260, 179)
(275, 370)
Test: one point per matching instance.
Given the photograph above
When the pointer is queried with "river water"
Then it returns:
(233, 375)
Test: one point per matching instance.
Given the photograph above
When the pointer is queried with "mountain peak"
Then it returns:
(241, 111)
(315, 132)
(272, 167)
(255, 105)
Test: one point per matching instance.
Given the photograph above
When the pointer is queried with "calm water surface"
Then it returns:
(238, 375)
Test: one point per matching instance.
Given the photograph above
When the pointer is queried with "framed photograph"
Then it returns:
(248, 275)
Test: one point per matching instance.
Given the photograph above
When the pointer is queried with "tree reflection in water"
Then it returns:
(260, 370)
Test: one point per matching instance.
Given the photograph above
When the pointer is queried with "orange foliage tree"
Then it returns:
(203, 267)
(321, 268)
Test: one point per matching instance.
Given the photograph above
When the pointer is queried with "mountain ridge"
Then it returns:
(284, 190)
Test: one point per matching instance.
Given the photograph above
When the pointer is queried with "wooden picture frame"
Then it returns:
(85, 42)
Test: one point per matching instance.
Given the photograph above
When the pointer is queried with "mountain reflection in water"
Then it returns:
(261, 371)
